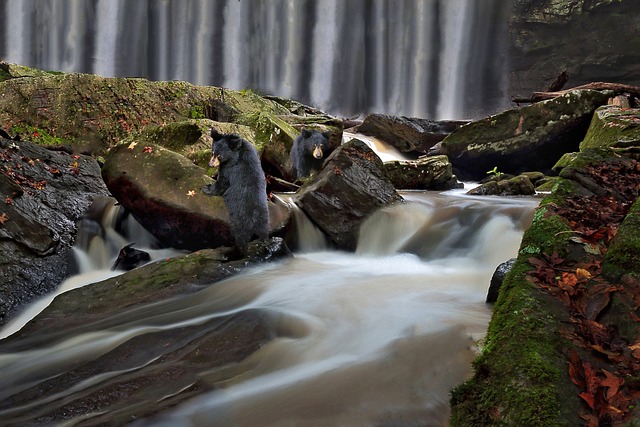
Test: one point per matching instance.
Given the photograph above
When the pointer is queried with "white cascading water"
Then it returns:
(436, 59)
(376, 337)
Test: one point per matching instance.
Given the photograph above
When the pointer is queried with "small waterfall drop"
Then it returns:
(437, 59)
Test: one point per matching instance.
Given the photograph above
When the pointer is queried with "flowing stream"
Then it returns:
(375, 338)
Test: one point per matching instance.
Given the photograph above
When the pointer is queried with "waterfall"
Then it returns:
(438, 59)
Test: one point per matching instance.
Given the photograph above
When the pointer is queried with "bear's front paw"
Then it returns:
(209, 189)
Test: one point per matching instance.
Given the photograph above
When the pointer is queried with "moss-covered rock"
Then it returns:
(519, 185)
(426, 173)
(522, 139)
(162, 189)
(613, 126)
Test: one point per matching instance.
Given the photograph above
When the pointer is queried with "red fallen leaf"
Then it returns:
(613, 382)
(589, 398)
(597, 302)
(575, 369)
(147, 149)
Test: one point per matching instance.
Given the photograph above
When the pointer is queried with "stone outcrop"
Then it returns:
(350, 186)
(590, 40)
(43, 193)
(527, 138)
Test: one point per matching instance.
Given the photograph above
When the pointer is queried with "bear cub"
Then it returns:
(308, 152)
(242, 185)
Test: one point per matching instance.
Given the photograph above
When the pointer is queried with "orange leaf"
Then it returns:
(582, 274)
(569, 279)
(589, 398)
(613, 381)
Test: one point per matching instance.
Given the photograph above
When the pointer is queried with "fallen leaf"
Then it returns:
(3, 218)
(147, 149)
(582, 274)
(132, 145)
(613, 382)
(191, 193)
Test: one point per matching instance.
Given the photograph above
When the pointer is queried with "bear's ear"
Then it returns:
(234, 141)
(216, 135)
(326, 135)
(305, 133)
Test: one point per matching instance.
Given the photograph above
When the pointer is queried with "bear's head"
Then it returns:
(317, 143)
(225, 148)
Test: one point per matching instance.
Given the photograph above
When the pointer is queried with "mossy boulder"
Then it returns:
(519, 185)
(523, 139)
(615, 127)
(425, 173)
(162, 189)
(190, 138)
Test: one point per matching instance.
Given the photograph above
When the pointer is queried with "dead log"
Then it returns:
(617, 88)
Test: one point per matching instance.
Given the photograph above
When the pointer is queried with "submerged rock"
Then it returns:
(349, 187)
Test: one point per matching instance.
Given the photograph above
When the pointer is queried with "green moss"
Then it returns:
(622, 255)
(612, 125)
(37, 135)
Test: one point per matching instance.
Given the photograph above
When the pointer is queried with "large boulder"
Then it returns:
(43, 193)
(425, 173)
(408, 134)
(162, 190)
(350, 186)
(523, 139)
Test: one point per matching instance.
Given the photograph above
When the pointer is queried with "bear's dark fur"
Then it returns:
(308, 152)
(242, 185)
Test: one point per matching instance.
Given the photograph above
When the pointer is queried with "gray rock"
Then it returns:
(425, 173)
(523, 139)
(408, 134)
(349, 187)
(43, 194)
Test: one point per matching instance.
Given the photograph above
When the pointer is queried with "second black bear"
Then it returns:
(242, 185)
(308, 152)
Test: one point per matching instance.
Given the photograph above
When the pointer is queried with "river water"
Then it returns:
(376, 338)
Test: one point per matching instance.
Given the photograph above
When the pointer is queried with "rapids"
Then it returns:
(372, 338)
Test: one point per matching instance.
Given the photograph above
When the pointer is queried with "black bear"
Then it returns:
(308, 152)
(242, 185)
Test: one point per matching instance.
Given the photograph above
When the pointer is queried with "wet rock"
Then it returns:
(43, 194)
(516, 186)
(522, 139)
(425, 173)
(408, 134)
(497, 279)
(130, 258)
(349, 187)
(162, 190)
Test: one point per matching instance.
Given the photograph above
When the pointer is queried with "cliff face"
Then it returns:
(593, 40)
